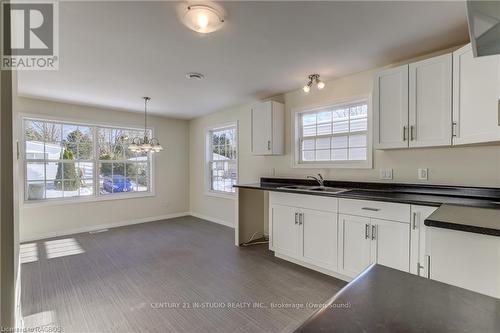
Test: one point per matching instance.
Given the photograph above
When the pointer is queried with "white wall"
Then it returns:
(474, 166)
(171, 175)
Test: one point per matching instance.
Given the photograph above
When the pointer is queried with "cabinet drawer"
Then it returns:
(376, 209)
(327, 204)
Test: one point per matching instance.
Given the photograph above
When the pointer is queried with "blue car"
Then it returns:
(117, 183)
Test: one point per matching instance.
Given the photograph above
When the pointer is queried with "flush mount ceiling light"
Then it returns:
(203, 19)
(145, 144)
(313, 78)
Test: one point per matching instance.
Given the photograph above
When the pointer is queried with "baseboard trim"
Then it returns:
(212, 219)
(102, 226)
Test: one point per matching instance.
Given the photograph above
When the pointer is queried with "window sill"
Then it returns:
(222, 195)
(82, 200)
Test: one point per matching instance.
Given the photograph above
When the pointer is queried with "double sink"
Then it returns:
(333, 190)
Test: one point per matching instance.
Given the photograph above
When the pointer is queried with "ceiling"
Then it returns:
(112, 53)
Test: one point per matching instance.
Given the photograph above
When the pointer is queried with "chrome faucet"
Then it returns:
(319, 179)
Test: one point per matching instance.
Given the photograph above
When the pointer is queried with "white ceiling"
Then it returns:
(112, 53)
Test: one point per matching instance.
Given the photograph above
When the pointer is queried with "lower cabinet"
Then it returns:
(318, 243)
(365, 240)
(284, 230)
(418, 257)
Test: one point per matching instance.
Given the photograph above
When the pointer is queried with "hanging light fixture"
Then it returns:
(313, 78)
(145, 144)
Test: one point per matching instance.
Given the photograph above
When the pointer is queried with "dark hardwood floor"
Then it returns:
(180, 275)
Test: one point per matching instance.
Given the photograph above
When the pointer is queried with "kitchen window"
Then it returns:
(71, 160)
(222, 157)
(334, 136)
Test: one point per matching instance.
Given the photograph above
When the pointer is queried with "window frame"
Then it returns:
(296, 125)
(95, 197)
(208, 149)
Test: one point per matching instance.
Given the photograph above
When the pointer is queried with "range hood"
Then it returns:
(484, 26)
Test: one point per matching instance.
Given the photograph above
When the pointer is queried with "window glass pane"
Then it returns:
(341, 115)
(54, 151)
(33, 130)
(323, 143)
(309, 130)
(52, 132)
(339, 154)
(86, 187)
(325, 117)
(324, 129)
(35, 171)
(323, 155)
(308, 155)
(308, 144)
(142, 177)
(105, 178)
(35, 190)
(357, 154)
(339, 141)
(359, 124)
(309, 119)
(357, 140)
(341, 127)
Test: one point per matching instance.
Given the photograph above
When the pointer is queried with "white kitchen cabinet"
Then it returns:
(464, 259)
(390, 107)
(390, 244)
(268, 128)
(304, 228)
(476, 93)
(430, 102)
(417, 238)
(354, 244)
(319, 238)
(284, 230)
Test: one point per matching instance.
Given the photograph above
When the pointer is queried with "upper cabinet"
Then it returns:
(412, 104)
(476, 93)
(390, 105)
(430, 90)
(268, 128)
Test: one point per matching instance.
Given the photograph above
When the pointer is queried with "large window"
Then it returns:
(222, 159)
(337, 135)
(76, 160)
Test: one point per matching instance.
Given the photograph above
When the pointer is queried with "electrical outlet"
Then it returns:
(423, 173)
(385, 173)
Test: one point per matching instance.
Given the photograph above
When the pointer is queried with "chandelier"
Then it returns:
(145, 144)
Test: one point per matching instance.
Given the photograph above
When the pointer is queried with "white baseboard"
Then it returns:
(212, 219)
(101, 226)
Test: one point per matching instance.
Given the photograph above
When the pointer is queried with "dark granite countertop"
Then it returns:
(452, 200)
(383, 299)
(471, 219)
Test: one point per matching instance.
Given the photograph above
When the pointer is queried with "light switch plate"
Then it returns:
(385, 174)
(423, 173)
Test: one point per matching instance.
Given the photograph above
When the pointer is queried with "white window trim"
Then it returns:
(208, 190)
(77, 199)
(295, 130)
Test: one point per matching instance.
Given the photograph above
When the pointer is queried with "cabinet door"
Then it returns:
(390, 104)
(284, 230)
(262, 129)
(430, 102)
(319, 238)
(391, 244)
(464, 259)
(476, 84)
(417, 239)
(354, 244)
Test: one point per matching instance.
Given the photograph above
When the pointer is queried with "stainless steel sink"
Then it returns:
(333, 190)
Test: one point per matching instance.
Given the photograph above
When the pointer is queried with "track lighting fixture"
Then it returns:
(313, 78)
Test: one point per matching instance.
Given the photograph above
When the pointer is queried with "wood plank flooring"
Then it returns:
(178, 275)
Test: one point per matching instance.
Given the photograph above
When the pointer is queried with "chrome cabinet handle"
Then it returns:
(412, 137)
(371, 209)
(454, 129)
(296, 218)
(301, 218)
(367, 231)
(428, 264)
(404, 133)
(414, 221)
(374, 231)
(419, 267)
(268, 145)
